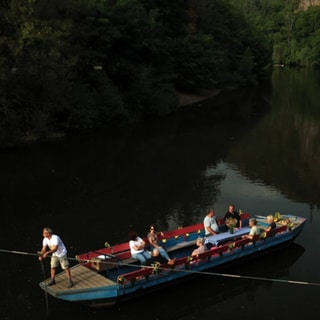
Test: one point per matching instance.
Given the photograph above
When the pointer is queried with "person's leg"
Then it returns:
(164, 253)
(54, 264)
(140, 257)
(64, 262)
(68, 273)
(53, 273)
(147, 257)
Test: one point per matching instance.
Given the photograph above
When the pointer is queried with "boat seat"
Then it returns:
(121, 253)
(182, 261)
(134, 275)
(242, 242)
(214, 251)
(276, 230)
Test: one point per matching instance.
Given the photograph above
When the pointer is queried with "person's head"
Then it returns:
(270, 218)
(200, 242)
(152, 228)
(211, 212)
(232, 207)
(132, 235)
(47, 232)
(252, 222)
(155, 252)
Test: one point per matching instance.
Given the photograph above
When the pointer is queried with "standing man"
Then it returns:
(58, 253)
(233, 214)
(210, 223)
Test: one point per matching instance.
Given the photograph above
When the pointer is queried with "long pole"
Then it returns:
(45, 291)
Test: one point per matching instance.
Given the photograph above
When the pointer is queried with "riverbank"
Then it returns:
(186, 99)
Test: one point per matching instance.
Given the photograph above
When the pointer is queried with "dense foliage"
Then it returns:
(292, 25)
(70, 64)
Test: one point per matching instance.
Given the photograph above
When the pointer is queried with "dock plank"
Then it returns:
(82, 277)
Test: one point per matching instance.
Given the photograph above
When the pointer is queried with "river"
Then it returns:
(257, 148)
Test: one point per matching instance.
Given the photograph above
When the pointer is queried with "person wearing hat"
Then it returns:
(254, 230)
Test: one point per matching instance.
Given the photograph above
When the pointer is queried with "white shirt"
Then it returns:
(55, 241)
(137, 242)
(210, 222)
(254, 231)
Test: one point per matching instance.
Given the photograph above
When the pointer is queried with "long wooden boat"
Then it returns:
(110, 275)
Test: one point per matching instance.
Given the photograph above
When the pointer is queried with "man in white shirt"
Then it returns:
(58, 253)
(210, 223)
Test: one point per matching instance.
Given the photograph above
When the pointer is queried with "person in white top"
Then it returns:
(254, 230)
(210, 223)
(53, 245)
(137, 248)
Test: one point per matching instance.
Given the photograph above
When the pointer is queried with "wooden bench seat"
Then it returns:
(134, 275)
(101, 264)
(242, 242)
(214, 251)
(183, 232)
(182, 261)
(276, 230)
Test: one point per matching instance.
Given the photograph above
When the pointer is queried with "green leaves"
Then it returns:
(84, 63)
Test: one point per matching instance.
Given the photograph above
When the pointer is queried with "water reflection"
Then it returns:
(283, 150)
(261, 153)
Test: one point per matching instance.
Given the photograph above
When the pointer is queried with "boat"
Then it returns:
(109, 276)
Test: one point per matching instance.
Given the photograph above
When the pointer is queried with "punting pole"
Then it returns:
(45, 292)
(227, 275)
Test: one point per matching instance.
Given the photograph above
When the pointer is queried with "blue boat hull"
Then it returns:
(163, 276)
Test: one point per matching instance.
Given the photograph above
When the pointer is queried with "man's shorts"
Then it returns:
(63, 261)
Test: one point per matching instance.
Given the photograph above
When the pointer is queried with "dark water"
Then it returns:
(257, 148)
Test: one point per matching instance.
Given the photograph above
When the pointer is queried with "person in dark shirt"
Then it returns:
(271, 222)
(233, 214)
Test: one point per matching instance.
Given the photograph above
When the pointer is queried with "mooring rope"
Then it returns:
(172, 269)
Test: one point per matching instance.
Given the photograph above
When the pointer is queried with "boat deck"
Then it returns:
(82, 277)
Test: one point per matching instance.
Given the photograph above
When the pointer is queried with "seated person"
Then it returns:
(232, 214)
(156, 257)
(254, 230)
(272, 224)
(201, 247)
(137, 248)
(154, 244)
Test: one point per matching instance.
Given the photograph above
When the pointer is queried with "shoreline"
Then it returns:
(189, 99)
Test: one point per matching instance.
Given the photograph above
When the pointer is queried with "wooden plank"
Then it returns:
(82, 277)
(135, 275)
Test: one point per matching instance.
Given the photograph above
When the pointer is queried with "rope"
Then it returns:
(228, 275)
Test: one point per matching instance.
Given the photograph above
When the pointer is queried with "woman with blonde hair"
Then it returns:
(201, 247)
(271, 223)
